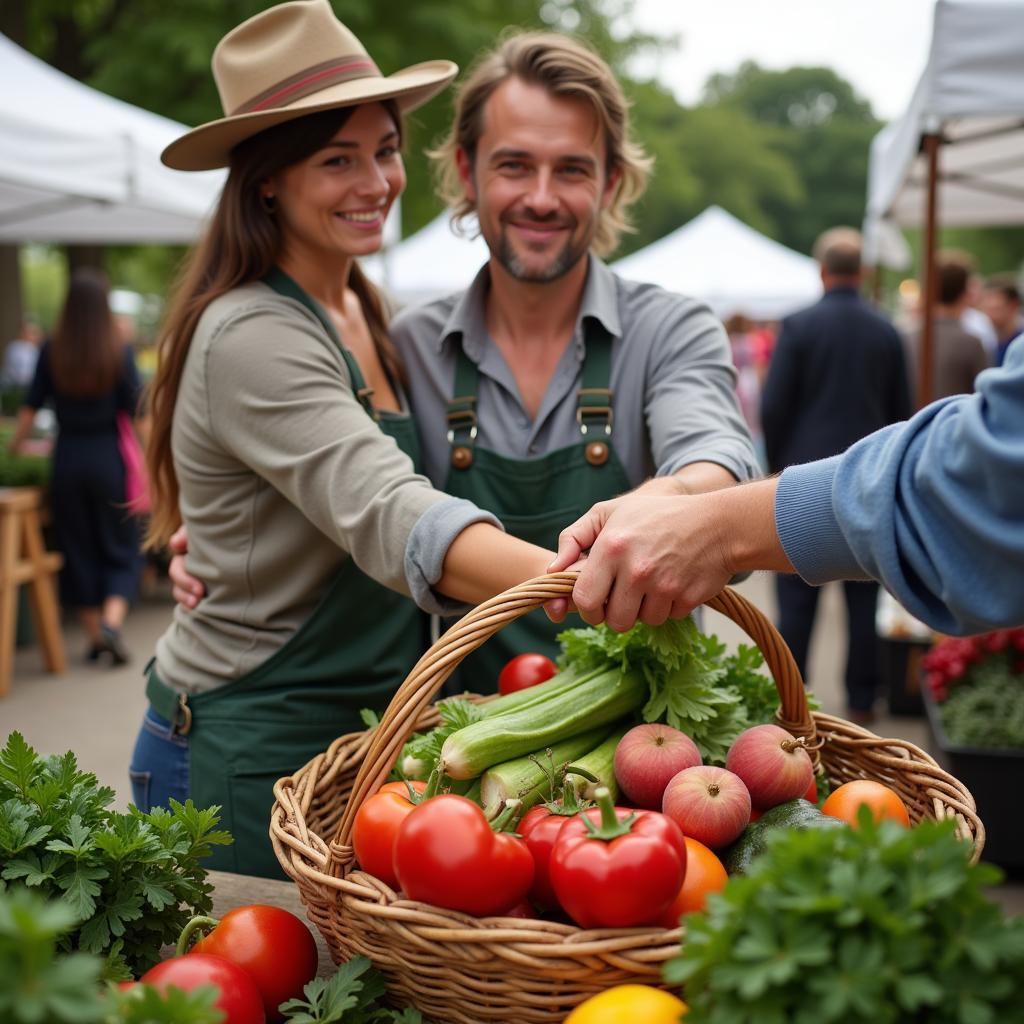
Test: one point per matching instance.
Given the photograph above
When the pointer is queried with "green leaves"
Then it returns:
(130, 880)
(881, 924)
(424, 749)
(695, 684)
(348, 998)
(986, 707)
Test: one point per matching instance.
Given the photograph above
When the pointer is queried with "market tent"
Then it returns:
(430, 263)
(970, 99)
(956, 157)
(730, 266)
(78, 166)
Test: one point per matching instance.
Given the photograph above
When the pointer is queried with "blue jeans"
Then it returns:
(159, 768)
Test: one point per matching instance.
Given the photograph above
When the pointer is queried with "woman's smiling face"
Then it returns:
(334, 202)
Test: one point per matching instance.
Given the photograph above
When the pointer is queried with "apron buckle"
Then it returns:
(185, 713)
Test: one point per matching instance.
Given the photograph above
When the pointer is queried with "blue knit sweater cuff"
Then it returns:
(805, 517)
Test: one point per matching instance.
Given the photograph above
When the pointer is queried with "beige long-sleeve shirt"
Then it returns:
(282, 477)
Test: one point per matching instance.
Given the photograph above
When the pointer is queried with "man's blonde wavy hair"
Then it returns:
(564, 67)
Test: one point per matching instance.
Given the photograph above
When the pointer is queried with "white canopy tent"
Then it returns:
(430, 263)
(956, 157)
(971, 96)
(78, 166)
(730, 266)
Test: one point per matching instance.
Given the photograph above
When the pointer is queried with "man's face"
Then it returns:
(1000, 310)
(538, 181)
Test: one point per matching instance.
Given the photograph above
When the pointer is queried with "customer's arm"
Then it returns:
(931, 508)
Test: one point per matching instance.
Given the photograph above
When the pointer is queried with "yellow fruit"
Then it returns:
(629, 1004)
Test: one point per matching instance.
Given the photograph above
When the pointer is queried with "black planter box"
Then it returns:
(995, 778)
(900, 672)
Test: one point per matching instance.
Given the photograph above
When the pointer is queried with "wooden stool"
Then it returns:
(24, 559)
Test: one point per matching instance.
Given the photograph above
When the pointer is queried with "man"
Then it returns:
(957, 355)
(1001, 302)
(837, 374)
(21, 355)
(929, 508)
(551, 383)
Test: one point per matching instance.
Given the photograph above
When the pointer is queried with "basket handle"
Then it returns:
(428, 675)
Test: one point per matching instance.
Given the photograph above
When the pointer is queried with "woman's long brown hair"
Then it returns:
(86, 352)
(242, 244)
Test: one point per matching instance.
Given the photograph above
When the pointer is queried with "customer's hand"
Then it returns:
(651, 559)
(187, 590)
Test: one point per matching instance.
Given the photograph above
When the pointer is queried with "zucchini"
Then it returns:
(527, 780)
(600, 699)
(600, 762)
(798, 814)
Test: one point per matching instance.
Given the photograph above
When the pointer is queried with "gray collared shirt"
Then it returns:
(672, 376)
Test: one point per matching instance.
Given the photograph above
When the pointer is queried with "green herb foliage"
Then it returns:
(130, 880)
(696, 686)
(423, 751)
(40, 986)
(350, 997)
(878, 924)
(989, 711)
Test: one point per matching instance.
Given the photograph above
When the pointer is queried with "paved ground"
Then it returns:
(96, 711)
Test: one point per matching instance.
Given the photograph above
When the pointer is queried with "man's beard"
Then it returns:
(559, 266)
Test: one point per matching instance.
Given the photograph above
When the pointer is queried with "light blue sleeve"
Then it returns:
(932, 508)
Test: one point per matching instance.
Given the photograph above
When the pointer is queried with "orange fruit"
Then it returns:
(844, 802)
(704, 873)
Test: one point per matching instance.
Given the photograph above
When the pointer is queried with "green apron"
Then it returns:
(535, 499)
(352, 653)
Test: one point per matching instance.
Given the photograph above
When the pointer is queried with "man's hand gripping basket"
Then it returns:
(459, 969)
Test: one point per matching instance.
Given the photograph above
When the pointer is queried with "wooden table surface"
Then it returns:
(230, 891)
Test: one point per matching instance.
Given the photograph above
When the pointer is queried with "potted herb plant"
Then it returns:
(974, 698)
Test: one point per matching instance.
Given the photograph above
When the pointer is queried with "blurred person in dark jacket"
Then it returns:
(837, 374)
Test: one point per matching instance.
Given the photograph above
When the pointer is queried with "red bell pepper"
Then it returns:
(447, 853)
(540, 827)
(616, 868)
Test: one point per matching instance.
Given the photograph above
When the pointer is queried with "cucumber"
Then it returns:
(800, 814)
(598, 700)
(525, 779)
(601, 763)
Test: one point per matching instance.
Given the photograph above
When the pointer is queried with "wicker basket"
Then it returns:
(462, 970)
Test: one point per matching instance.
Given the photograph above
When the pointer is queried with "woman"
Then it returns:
(91, 378)
(280, 436)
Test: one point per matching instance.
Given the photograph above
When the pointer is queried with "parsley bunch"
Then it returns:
(39, 985)
(350, 997)
(131, 881)
(881, 925)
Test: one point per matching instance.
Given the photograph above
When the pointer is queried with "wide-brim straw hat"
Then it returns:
(288, 61)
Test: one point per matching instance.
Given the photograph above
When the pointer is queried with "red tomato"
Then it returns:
(539, 829)
(375, 828)
(625, 873)
(524, 671)
(271, 945)
(239, 997)
(812, 790)
(447, 854)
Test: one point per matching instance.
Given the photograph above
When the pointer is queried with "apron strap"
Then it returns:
(593, 400)
(281, 283)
